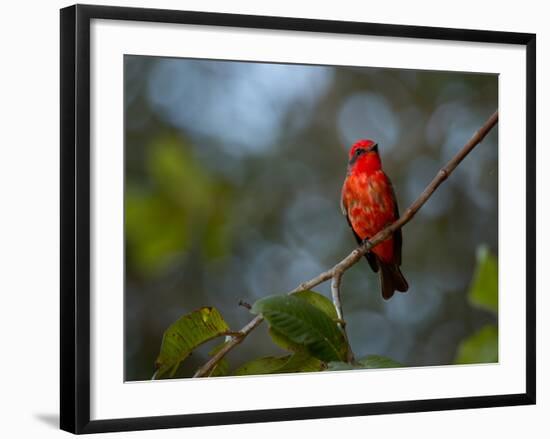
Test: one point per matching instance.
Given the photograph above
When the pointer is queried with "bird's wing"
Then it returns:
(397, 235)
(343, 206)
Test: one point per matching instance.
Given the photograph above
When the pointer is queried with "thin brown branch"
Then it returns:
(338, 269)
(234, 341)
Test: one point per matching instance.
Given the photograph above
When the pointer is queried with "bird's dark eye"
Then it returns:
(356, 155)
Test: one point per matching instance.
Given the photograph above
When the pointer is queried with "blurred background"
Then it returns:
(233, 173)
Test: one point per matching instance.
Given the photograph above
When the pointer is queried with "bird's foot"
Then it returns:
(365, 242)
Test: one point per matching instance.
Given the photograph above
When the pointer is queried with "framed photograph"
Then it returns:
(274, 218)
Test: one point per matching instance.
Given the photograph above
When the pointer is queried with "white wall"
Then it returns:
(29, 205)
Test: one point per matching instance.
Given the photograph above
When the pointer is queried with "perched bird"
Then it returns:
(369, 203)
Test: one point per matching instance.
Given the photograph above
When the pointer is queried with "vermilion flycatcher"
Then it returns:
(369, 203)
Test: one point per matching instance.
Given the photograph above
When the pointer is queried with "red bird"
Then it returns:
(369, 203)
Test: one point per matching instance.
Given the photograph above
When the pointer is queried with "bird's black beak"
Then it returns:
(373, 148)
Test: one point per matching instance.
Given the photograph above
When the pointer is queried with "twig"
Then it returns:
(336, 299)
(234, 341)
(338, 269)
(335, 290)
(245, 304)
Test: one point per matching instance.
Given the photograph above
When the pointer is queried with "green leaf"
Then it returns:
(284, 342)
(299, 362)
(261, 366)
(303, 324)
(302, 362)
(378, 362)
(319, 301)
(369, 362)
(186, 334)
(481, 347)
(484, 287)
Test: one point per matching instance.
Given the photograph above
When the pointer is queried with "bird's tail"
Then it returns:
(391, 279)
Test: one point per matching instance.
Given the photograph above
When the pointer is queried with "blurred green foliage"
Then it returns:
(180, 204)
(484, 288)
(482, 346)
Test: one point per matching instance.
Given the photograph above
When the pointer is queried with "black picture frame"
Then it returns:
(75, 217)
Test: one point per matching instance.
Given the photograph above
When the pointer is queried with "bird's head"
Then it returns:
(363, 156)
